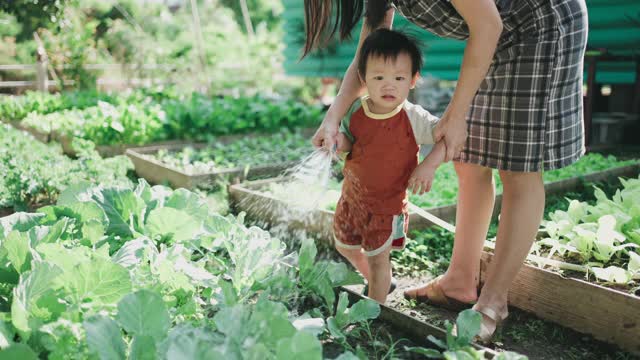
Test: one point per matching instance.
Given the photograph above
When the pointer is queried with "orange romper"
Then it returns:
(372, 211)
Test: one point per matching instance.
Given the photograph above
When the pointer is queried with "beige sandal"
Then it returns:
(485, 335)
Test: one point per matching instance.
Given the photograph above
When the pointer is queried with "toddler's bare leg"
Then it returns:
(380, 276)
(357, 259)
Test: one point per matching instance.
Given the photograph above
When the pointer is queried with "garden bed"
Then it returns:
(150, 163)
(607, 314)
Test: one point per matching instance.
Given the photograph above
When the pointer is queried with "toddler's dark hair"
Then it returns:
(389, 44)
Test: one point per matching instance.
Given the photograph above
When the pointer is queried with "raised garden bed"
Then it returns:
(607, 314)
(163, 164)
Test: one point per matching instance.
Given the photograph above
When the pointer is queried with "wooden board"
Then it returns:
(157, 172)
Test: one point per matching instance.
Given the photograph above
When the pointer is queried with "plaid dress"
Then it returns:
(527, 113)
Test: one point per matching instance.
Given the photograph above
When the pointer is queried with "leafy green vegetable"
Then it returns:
(601, 234)
(282, 147)
(149, 286)
(30, 178)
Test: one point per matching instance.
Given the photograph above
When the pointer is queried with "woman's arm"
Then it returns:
(350, 89)
(485, 27)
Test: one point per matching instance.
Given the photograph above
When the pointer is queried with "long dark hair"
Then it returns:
(346, 13)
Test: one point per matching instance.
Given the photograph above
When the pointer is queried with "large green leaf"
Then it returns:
(6, 334)
(301, 346)
(468, 325)
(104, 337)
(100, 281)
(65, 258)
(363, 310)
(122, 208)
(143, 313)
(341, 275)
(189, 202)
(20, 221)
(50, 234)
(143, 348)
(86, 211)
(34, 286)
(18, 250)
(172, 224)
(232, 321)
(274, 314)
(307, 256)
(77, 192)
(133, 252)
(186, 342)
(18, 351)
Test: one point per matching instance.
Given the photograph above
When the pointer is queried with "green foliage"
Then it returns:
(16, 108)
(444, 190)
(224, 291)
(456, 346)
(143, 116)
(34, 14)
(606, 233)
(70, 47)
(199, 117)
(282, 147)
(429, 249)
(260, 11)
(31, 179)
(104, 124)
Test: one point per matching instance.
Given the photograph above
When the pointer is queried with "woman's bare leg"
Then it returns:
(522, 210)
(476, 198)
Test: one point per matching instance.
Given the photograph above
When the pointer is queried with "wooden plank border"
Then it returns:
(157, 172)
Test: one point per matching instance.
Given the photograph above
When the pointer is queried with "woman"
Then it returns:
(517, 108)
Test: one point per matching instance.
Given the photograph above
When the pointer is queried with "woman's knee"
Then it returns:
(522, 181)
(473, 173)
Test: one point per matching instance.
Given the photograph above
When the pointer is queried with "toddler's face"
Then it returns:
(388, 82)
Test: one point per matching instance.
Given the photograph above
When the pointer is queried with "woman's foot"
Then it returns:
(491, 320)
(434, 294)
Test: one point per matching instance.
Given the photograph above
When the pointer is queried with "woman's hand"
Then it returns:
(326, 135)
(453, 130)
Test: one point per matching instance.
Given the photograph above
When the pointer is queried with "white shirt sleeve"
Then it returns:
(422, 123)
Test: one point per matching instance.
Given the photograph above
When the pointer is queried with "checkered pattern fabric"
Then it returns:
(527, 114)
